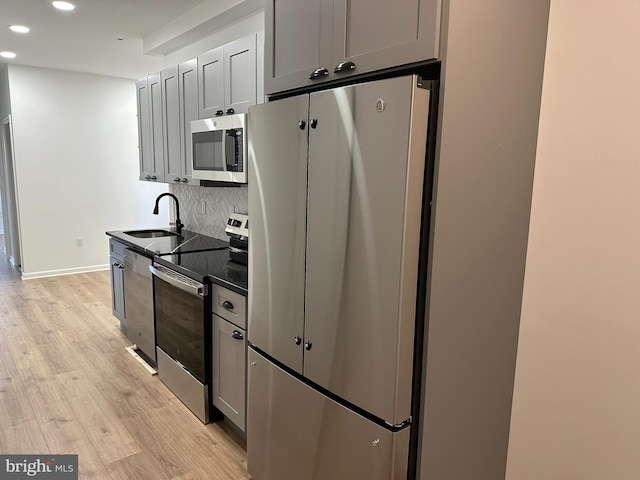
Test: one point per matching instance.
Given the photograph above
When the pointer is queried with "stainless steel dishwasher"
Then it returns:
(138, 296)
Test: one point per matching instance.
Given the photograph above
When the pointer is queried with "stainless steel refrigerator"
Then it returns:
(336, 205)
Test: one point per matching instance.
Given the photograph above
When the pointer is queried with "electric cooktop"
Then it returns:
(214, 265)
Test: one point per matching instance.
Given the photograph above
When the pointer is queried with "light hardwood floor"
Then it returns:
(67, 385)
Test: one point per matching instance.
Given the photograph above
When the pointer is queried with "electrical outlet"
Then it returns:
(203, 207)
(79, 241)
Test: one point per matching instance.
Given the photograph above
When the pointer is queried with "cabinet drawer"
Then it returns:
(116, 249)
(229, 305)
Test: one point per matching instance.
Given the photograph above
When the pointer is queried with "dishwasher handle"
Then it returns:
(179, 281)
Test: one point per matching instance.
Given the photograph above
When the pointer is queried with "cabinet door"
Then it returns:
(171, 124)
(188, 91)
(297, 43)
(210, 83)
(117, 289)
(154, 88)
(229, 363)
(240, 74)
(145, 152)
(376, 35)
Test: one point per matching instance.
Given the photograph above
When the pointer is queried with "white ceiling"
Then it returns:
(87, 39)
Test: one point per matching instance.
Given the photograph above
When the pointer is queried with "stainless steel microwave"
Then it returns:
(220, 148)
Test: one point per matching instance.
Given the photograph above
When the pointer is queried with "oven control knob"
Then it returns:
(298, 340)
(307, 345)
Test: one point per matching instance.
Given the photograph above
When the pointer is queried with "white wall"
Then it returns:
(75, 141)
(576, 408)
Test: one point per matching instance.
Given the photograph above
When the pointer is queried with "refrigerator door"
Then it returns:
(296, 433)
(366, 170)
(277, 212)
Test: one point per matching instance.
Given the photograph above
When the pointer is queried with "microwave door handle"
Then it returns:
(224, 150)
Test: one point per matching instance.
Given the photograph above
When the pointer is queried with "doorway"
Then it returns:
(8, 196)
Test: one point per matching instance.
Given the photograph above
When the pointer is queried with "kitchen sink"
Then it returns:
(150, 233)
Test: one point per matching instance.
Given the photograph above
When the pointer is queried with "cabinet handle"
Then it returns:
(318, 73)
(237, 335)
(301, 124)
(147, 177)
(185, 180)
(153, 177)
(313, 123)
(219, 112)
(307, 345)
(227, 305)
(298, 340)
(230, 111)
(177, 179)
(343, 67)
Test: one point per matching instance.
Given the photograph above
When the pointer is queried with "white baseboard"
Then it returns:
(65, 271)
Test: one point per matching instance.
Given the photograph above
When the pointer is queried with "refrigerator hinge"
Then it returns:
(425, 84)
(399, 426)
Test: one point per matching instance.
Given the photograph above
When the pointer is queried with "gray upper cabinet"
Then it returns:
(145, 152)
(154, 87)
(210, 83)
(171, 123)
(227, 78)
(188, 92)
(312, 41)
(240, 74)
(369, 36)
(297, 43)
(149, 99)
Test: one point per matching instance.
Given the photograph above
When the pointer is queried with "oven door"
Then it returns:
(179, 304)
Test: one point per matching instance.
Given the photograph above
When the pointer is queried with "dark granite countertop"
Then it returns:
(195, 255)
(187, 241)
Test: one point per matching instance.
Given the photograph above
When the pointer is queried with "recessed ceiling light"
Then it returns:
(7, 55)
(63, 5)
(19, 28)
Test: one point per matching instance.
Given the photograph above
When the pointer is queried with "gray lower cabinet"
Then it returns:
(229, 363)
(116, 260)
(312, 41)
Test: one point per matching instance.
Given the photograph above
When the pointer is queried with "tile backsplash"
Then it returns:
(218, 202)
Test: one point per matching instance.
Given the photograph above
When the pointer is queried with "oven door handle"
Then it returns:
(197, 290)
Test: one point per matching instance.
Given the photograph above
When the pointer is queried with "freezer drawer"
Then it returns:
(297, 433)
